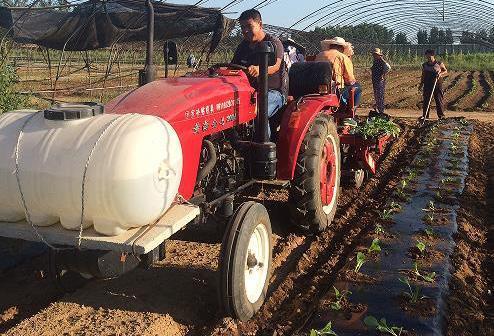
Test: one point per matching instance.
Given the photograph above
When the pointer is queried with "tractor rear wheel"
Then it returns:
(245, 261)
(315, 187)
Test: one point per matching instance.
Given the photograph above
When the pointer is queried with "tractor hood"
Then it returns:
(175, 99)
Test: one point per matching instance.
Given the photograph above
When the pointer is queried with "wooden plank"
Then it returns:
(138, 240)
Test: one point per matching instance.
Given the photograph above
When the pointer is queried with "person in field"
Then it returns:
(333, 51)
(245, 54)
(433, 72)
(379, 70)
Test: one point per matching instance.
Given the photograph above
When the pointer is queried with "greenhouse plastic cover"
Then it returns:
(99, 24)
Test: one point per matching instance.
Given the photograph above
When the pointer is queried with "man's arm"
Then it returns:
(348, 74)
(422, 79)
(444, 71)
(278, 48)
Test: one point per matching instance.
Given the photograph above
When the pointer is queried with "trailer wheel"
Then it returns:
(245, 261)
(315, 187)
(66, 281)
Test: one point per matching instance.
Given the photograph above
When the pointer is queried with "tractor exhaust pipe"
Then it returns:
(263, 154)
(262, 122)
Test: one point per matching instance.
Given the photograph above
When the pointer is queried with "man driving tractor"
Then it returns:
(245, 54)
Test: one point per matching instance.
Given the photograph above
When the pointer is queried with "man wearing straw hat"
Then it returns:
(333, 52)
(379, 70)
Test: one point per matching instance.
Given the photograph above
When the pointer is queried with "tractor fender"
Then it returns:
(297, 118)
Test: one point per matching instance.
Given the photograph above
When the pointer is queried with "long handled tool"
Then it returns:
(425, 115)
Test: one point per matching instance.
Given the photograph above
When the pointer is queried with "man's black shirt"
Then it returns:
(246, 55)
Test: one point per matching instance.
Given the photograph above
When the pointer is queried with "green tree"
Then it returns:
(466, 37)
(482, 35)
(434, 36)
(401, 38)
(10, 99)
(441, 36)
(449, 37)
(422, 37)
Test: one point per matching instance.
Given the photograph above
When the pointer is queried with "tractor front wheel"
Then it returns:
(315, 187)
(245, 261)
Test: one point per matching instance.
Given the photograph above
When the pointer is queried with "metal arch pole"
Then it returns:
(149, 67)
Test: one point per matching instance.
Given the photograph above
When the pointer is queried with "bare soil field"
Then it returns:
(464, 90)
(179, 295)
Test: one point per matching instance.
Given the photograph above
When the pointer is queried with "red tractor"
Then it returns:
(222, 125)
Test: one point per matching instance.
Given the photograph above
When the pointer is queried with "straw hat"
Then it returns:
(334, 41)
(378, 51)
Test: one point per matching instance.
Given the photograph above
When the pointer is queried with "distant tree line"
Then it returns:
(481, 36)
(440, 36)
(361, 32)
(435, 36)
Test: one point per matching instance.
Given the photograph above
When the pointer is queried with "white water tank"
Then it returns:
(134, 167)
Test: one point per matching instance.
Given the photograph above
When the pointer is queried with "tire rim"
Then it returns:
(328, 171)
(256, 263)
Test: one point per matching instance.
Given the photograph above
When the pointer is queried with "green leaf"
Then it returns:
(375, 246)
(327, 328)
(360, 261)
(420, 246)
(335, 305)
(371, 322)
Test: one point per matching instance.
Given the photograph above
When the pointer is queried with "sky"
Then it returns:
(279, 13)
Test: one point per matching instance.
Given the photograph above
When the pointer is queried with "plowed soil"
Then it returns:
(471, 304)
(179, 295)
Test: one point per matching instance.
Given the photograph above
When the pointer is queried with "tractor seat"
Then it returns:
(306, 77)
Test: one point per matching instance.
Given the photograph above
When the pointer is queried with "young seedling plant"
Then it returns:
(379, 230)
(412, 174)
(420, 246)
(326, 331)
(382, 326)
(401, 194)
(374, 247)
(429, 232)
(339, 298)
(395, 206)
(438, 196)
(386, 214)
(360, 261)
(427, 277)
(431, 207)
(429, 218)
(413, 294)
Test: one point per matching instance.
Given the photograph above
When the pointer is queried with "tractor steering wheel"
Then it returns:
(229, 65)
